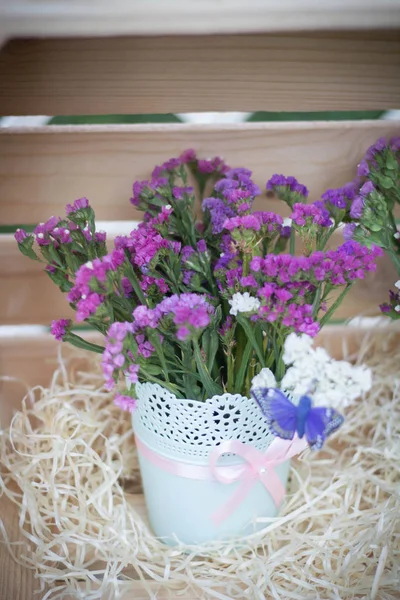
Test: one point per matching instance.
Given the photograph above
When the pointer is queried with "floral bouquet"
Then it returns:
(373, 210)
(207, 304)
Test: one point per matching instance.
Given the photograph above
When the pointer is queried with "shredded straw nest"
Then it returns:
(69, 463)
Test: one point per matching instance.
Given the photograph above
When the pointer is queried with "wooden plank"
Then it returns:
(16, 582)
(43, 169)
(128, 17)
(278, 72)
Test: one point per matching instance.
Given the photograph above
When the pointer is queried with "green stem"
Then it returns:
(153, 337)
(335, 305)
(166, 384)
(79, 342)
(250, 335)
(240, 377)
(210, 386)
(292, 242)
(316, 303)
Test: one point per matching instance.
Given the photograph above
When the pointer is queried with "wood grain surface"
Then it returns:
(43, 169)
(277, 72)
(128, 17)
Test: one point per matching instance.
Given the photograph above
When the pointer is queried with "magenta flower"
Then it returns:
(125, 402)
(367, 188)
(79, 204)
(188, 156)
(304, 214)
(357, 207)
(60, 328)
(20, 235)
(363, 169)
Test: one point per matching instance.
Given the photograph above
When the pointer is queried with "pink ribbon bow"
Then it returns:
(258, 466)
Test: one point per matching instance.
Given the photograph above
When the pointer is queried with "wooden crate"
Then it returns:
(272, 56)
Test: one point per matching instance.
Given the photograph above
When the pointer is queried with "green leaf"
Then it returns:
(211, 388)
(240, 377)
(79, 342)
(250, 334)
(213, 349)
(385, 182)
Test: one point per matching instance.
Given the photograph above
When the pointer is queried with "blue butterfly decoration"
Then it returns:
(285, 418)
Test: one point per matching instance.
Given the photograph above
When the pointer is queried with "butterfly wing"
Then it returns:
(320, 423)
(279, 411)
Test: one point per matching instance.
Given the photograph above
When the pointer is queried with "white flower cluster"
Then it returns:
(330, 382)
(243, 303)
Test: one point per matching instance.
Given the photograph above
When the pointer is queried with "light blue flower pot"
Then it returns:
(175, 439)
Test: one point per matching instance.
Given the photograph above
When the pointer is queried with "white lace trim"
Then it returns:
(188, 429)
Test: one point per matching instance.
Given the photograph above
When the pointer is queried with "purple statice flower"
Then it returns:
(79, 204)
(187, 252)
(348, 230)
(336, 198)
(244, 207)
(20, 235)
(216, 164)
(175, 246)
(291, 183)
(226, 326)
(179, 192)
(113, 358)
(188, 156)
(189, 311)
(395, 144)
(205, 166)
(100, 237)
(310, 213)
(43, 231)
(126, 287)
(88, 305)
(286, 231)
(137, 190)
(376, 148)
(385, 308)
(126, 403)
(363, 169)
(219, 212)
(367, 188)
(238, 173)
(245, 222)
(357, 207)
(237, 196)
(145, 317)
(225, 184)
(187, 276)
(145, 348)
(50, 268)
(201, 246)
(225, 258)
(60, 328)
(232, 277)
(168, 166)
(248, 281)
(160, 283)
(143, 243)
(132, 373)
(62, 235)
(269, 221)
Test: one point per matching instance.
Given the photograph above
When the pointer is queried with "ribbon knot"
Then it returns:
(257, 466)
